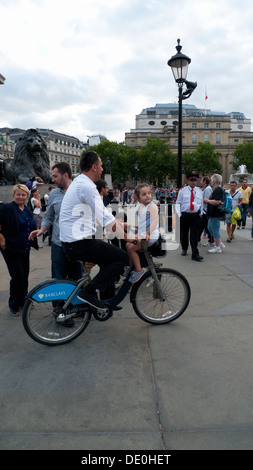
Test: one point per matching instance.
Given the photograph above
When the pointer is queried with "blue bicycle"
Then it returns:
(53, 315)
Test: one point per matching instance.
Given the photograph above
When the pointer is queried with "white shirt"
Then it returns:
(206, 193)
(145, 221)
(184, 198)
(82, 210)
(36, 210)
(235, 198)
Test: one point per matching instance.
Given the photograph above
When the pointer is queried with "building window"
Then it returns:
(206, 125)
(194, 125)
(218, 138)
(194, 138)
(218, 125)
(151, 123)
(206, 137)
(163, 123)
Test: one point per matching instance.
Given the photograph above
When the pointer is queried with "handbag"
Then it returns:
(236, 215)
(156, 249)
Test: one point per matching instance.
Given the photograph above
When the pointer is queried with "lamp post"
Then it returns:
(179, 65)
(136, 167)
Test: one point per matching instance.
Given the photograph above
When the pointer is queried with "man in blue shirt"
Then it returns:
(62, 267)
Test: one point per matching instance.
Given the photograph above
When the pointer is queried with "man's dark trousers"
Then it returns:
(108, 257)
(190, 222)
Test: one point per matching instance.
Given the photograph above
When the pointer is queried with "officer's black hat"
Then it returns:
(192, 176)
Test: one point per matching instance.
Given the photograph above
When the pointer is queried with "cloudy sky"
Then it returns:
(85, 67)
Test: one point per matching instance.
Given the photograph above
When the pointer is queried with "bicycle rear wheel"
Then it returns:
(147, 304)
(40, 320)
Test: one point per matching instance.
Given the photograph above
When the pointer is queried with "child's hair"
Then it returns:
(138, 189)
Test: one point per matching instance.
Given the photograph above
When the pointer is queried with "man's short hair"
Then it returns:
(100, 184)
(88, 159)
(206, 179)
(217, 179)
(63, 167)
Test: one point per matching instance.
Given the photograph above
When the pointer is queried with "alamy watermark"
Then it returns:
(169, 222)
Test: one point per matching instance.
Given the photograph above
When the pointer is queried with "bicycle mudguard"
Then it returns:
(53, 290)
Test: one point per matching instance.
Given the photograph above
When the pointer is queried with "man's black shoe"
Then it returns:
(197, 258)
(184, 252)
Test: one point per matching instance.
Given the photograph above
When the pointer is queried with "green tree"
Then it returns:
(244, 156)
(203, 161)
(121, 156)
(156, 161)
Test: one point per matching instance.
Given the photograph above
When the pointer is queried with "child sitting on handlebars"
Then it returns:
(147, 216)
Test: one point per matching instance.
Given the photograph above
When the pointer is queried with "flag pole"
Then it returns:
(206, 97)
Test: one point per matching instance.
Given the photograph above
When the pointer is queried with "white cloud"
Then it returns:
(90, 67)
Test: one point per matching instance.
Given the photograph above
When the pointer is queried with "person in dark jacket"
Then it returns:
(250, 211)
(16, 223)
(214, 214)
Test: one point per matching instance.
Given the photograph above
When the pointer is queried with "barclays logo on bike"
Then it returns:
(52, 294)
(54, 291)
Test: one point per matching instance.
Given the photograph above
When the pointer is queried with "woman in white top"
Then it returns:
(36, 206)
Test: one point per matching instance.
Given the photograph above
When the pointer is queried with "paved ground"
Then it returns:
(127, 385)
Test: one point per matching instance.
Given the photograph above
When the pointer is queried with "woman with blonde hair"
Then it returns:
(16, 224)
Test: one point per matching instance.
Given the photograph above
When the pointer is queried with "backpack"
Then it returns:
(226, 206)
(29, 205)
(43, 204)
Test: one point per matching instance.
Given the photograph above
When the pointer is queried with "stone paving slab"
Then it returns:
(128, 385)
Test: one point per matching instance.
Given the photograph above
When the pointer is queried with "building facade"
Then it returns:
(7, 145)
(63, 148)
(223, 131)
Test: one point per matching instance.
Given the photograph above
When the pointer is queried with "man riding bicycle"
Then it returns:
(81, 211)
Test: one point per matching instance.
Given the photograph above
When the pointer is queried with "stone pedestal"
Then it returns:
(108, 179)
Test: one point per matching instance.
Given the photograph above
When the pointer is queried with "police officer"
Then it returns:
(190, 200)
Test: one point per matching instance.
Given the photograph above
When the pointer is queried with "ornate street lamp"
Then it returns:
(136, 167)
(179, 65)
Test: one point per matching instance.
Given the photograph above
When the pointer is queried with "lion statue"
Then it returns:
(30, 159)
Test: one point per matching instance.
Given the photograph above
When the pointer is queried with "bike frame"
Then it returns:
(67, 290)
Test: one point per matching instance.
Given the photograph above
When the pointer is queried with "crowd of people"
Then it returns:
(73, 209)
(201, 212)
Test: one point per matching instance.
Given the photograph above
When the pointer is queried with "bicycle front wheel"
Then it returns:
(176, 296)
(40, 320)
